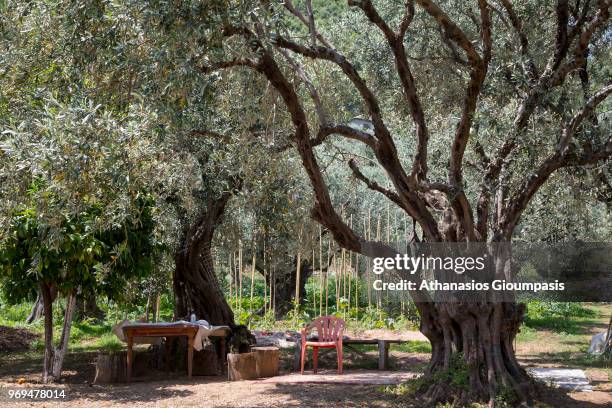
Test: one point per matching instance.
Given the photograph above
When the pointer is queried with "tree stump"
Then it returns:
(241, 366)
(110, 367)
(267, 359)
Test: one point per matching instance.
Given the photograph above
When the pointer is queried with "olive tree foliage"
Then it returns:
(76, 158)
(473, 109)
(225, 146)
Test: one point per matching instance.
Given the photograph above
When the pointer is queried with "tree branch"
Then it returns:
(372, 185)
(236, 62)
(344, 130)
(385, 150)
(530, 70)
(549, 79)
(396, 42)
(452, 30)
(561, 158)
(407, 20)
(561, 42)
(291, 8)
(311, 88)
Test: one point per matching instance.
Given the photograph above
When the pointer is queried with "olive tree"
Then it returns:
(524, 97)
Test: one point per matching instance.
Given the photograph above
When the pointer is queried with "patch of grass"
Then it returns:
(560, 317)
(413, 346)
(576, 359)
(527, 333)
(109, 342)
(14, 315)
(457, 378)
(88, 329)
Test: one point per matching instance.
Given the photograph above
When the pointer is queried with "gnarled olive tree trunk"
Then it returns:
(476, 338)
(196, 287)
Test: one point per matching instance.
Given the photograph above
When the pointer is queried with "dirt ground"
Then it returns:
(175, 390)
(216, 392)
(15, 339)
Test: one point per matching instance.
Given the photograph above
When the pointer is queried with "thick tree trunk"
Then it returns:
(474, 339)
(196, 286)
(45, 291)
(87, 306)
(60, 352)
(284, 285)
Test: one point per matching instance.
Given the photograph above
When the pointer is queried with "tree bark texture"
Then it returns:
(38, 309)
(284, 285)
(45, 291)
(60, 352)
(196, 287)
(87, 307)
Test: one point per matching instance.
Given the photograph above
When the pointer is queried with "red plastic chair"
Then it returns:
(329, 335)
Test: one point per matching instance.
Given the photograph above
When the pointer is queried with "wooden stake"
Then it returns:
(274, 291)
(240, 274)
(231, 277)
(378, 238)
(357, 285)
(265, 299)
(337, 281)
(320, 272)
(157, 305)
(236, 268)
(327, 276)
(314, 295)
(349, 272)
(297, 279)
(388, 223)
(272, 288)
(369, 228)
(252, 281)
(343, 273)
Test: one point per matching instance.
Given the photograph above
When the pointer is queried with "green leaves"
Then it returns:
(78, 256)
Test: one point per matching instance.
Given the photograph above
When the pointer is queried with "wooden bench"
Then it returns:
(383, 350)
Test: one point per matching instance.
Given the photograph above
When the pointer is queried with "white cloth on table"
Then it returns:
(205, 330)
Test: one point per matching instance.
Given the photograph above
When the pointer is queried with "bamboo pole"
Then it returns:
(342, 273)
(231, 277)
(157, 304)
(357, 285)
(314, 295)
(236, 268)
(337, 280)
(297, 279)
(388, 242)
(349, 272)
(378, 238)
(320, 272)
(273, 291)
(252, 281)
(369, 277)
(240, 274)
(265, 276)
(327, 276)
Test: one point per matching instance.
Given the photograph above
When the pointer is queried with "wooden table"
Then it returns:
(383, 350)
(167, 331)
